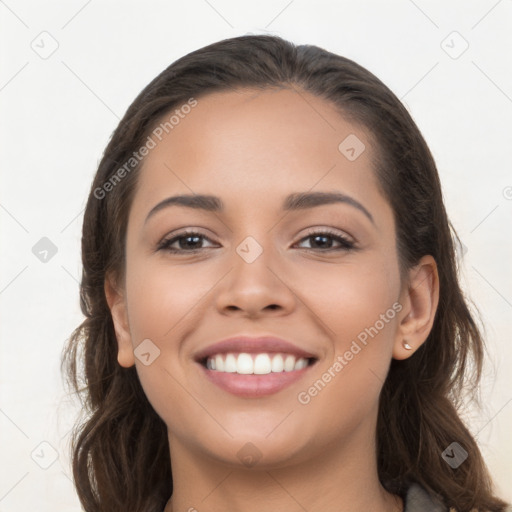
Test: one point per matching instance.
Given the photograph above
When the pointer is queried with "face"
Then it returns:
(320, 274)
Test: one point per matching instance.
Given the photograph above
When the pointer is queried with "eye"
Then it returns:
(188, 241)
(191, 241)
(323, 241)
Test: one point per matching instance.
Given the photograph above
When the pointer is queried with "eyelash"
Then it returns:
(346, 245)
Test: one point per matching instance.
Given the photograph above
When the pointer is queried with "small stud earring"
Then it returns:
(406, 345)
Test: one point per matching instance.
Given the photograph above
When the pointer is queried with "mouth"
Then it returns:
(254, 367)
(256, 364)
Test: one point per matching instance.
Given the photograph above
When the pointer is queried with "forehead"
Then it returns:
(253, 145)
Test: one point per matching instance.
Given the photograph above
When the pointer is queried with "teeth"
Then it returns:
(244, 364)
(255, 364)
(219, 363)
(289, 364)
(301, 363)
(277, 363)
(262, 364)
(230, 364)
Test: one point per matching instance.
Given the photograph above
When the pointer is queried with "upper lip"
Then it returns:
(252, 345)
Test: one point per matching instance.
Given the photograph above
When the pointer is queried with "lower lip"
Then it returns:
(253, 386)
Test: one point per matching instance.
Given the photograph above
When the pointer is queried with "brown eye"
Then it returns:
(189, 241)
(323, 241)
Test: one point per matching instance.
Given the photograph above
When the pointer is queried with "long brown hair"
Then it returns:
(120, 450)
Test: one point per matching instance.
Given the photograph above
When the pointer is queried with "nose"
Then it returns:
(256, 287)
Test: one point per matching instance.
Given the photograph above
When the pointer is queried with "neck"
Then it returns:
(340, 479)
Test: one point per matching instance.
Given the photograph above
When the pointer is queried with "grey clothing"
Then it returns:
(418, 499)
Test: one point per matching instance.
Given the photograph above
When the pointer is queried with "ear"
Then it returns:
(419, 298)
(117, 305)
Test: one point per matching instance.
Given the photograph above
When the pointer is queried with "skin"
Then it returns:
(251, 149)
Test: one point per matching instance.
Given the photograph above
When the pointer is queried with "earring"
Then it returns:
(406, 345)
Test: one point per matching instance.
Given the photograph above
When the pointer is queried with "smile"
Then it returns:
(256, 364)
(253, 367)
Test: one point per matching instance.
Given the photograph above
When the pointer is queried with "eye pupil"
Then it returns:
(189, 237)
(322, 237)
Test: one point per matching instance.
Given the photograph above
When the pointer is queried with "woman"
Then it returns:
(273, 316)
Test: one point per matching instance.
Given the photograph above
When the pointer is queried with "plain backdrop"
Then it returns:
(68, 72)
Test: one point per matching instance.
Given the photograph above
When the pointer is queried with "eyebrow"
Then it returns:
(293, 202)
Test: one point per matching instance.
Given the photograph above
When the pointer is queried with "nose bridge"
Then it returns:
(254, 282)
(250, 249)
(255, 256)
(254, 237)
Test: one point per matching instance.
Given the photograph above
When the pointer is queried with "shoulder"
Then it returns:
(417, 499)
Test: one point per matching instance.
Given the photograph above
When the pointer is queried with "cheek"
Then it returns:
(350, 298)
(161, 297)
(363, 309)
(359, 310)
(164, 302)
